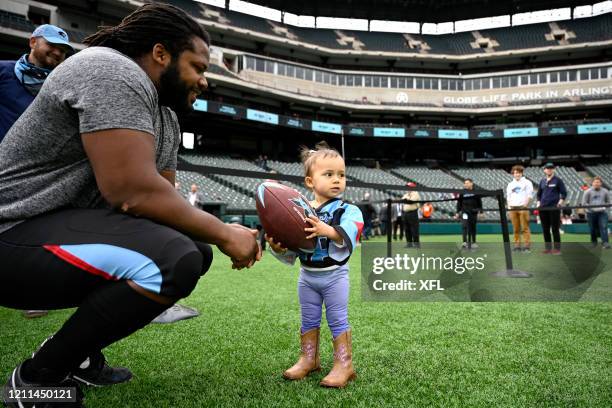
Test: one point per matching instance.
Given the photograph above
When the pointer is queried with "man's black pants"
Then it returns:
(83, 258)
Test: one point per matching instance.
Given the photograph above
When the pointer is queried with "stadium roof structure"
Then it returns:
(422, 11)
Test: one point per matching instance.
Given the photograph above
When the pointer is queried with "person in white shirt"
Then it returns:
(519, 193)
(410, 217)
(194, 197)
(396, 221)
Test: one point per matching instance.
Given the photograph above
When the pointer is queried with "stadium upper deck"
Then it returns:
(365, 87)
(534, 43)
(544, 35)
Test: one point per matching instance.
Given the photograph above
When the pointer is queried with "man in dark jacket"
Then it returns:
(369, 212)
(469, 205)
(21, 80)
(551, 193)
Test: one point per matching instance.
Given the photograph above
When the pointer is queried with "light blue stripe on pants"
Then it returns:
(329, 287)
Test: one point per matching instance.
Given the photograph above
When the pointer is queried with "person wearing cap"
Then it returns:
(551, 193)
(21, 80)
(410, 216)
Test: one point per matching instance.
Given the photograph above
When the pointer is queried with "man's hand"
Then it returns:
(560, 203)
(241, 247)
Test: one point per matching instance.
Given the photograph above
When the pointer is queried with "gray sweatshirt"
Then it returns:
(596, 197)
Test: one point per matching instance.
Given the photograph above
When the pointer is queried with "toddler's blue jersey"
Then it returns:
(347, 220)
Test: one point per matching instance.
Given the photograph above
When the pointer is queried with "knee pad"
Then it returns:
(184, 268)
(207, 255)
(187, 272)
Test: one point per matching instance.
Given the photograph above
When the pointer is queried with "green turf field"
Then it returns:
(407, 354)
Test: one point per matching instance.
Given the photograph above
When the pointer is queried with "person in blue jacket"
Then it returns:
(21, 80)
(551, 193)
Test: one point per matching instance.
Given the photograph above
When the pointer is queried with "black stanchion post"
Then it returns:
(505, 232)
(510, 272)
(389, 227)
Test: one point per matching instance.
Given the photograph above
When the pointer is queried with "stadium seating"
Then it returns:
(15, 21)
(490, 179)
(21, 23)
(586, 30)
(389, 42)
(589, 29)
(220, 161)
(291, 168)
(238, 192)
(322, 37)
(604, 171)
(428, 177)
(527, 36)
(375, 176)
(213, 191)
(518, 37)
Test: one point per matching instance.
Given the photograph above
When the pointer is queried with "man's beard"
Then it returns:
(46, 61)
(173, 92)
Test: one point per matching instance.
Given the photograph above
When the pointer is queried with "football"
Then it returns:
(282, 212)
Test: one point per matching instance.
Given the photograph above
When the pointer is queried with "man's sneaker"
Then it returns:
(556, 252)
(464, 245)
(175, 313)
(95, 371)
(606, 245)
(16, 386)
(546, 251)
(527, 250)
(474, 245)
(517, 249)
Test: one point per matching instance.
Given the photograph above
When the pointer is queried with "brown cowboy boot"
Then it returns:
(309, 357)
(342, 372)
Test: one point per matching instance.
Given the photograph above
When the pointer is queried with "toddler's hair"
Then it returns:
(321, 151)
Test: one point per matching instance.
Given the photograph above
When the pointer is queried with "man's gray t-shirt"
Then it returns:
(43, 165)
(596, 197)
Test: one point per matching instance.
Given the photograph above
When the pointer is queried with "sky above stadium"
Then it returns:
(414, 27)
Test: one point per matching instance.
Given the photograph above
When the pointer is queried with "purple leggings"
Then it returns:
(329, 287)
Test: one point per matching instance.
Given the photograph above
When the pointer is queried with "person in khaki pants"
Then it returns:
(519, 193)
